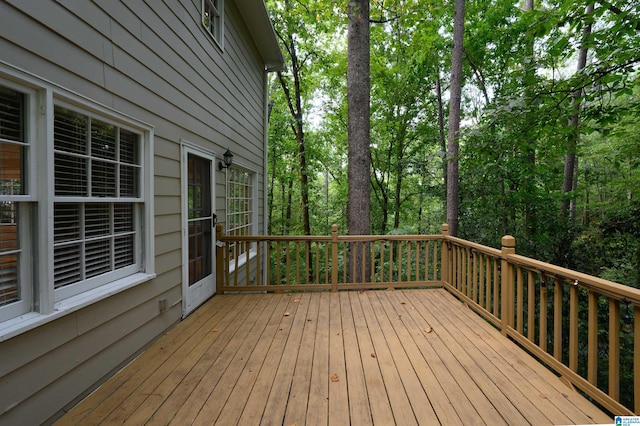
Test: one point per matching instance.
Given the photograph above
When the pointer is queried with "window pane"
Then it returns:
(66, 265)
(9, 252)
(124, 250)
(11, 114)
(66, 222)
(70, 175)
(122, 218)
(11, 169)
(97, 219)
(129, 181)
(98, 257)
(129, 147)
(103, 140)
(70, 131)
(103, 179)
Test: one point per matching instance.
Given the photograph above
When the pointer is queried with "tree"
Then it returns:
(454, 118)
(358, 98)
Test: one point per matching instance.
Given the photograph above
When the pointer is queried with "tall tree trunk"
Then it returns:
(358, 98)
(569, 183)
(443, 137)
(454, 118)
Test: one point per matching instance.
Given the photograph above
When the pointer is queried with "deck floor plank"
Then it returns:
(280, 385)
(528, 369)
(209, 336)
(467, 340)
(338, 391)
(219, 364)
(318, 407)
(296, 405)
(127, 382)
(381, 412)
(391, 325)
(361, 358)
(232, 391)
(359, 406)
(450, 382)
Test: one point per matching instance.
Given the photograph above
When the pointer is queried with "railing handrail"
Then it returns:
(341, 238)
(622, 293)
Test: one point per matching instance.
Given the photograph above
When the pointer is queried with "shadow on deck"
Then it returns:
(370, 357)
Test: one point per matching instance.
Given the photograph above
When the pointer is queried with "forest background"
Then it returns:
(549, 144)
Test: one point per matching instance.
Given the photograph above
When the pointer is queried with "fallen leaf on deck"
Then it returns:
(309, 319)
(428, 329)
(296, 301)
(373, 355)
(334, 378)
(403, 303)
(286, 314)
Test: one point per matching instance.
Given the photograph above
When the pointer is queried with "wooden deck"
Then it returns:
(375, 357)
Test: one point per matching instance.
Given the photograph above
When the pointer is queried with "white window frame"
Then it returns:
(45, 304)
(252, 252)
(217, 32)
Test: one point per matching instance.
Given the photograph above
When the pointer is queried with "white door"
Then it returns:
(198, 222)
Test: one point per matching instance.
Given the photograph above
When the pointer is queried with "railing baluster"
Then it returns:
(372, 257)
(519, 300)
(592, 339)
(426, 260)
(573, 327)
(482, 299)
(496, 288)
(418, 268)
(544, 299)
(614, 349)
(278, 263)
(531, 298)
(296, 259)
(259, 262)
(557, 319)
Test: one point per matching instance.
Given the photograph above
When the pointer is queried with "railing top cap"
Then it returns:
(508, 241)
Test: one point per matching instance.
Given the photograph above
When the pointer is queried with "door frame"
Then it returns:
(194, 296)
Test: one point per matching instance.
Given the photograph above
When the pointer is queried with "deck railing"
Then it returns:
(585, 328)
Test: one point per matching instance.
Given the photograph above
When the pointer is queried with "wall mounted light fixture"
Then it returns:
(228, 160)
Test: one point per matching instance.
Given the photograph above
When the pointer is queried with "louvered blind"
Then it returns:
(12, 153)
(99, 162)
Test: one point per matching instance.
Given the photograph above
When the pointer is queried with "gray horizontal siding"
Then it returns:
(154, 61)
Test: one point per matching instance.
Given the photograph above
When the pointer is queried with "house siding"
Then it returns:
(151, 60)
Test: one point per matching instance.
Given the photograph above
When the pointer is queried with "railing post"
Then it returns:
(506, 283)
(444, 258)
(334, 257)
(219, 259)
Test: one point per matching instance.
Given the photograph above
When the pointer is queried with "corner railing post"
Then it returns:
(334, 257)
(219, 259)
(445, 267)
(507, 283)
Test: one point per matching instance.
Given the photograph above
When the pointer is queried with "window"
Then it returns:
(97, 197)
(75, 202)
(213, 19)
(240, 204)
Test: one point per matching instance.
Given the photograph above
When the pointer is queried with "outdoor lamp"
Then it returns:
(228, 160)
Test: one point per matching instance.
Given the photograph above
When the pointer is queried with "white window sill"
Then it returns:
(32, 320)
